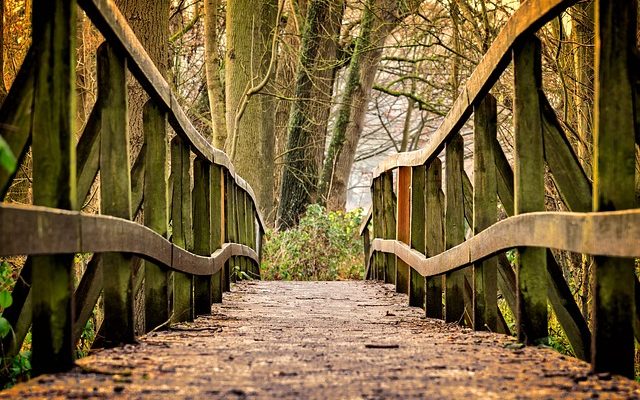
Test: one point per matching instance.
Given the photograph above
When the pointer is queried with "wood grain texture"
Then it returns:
(403, 224)
(434, 222)
(417, 284)
(202, 229)
(389, 216)
(378, 227)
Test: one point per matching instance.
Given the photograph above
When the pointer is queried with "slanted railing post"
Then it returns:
(255, 267)
(454, 226)
(115, 193)
(529, 189)
(54, 181)
(378, 228)
(613, 304)
(202, 232)
(434, 235)
(418, 207)
(485, 213)
(228, 226)
(217, 228)
(182, 231)
(389, 215)
(403, 225)
(241, 197)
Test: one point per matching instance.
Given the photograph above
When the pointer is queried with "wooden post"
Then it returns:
(454, 226)
(389, 214)
(54, 181)
(434, 235)
(181, 222)
(366, 244)
(529, 189)
(403, 225)
(485, 213)
(418, 207)
(115, 193)
(217, 227)
(156, 211)
(251, 215)
(613, 181)
(232, 227)
(241, 208)
(228, 226)
(202, 231)
(378, 227)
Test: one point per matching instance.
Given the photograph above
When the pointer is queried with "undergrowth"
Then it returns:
(324, 246)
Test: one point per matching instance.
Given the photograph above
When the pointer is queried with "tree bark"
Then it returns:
(213, 70)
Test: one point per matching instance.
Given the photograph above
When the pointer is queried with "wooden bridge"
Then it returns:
(203, 336)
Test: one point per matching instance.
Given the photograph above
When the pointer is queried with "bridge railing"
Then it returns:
(418, 229)
(193, 243)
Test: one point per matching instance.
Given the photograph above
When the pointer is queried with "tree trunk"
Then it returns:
(249, 30)
(300, 169)
(213, 70)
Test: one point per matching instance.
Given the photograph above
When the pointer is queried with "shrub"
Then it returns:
(324, 246)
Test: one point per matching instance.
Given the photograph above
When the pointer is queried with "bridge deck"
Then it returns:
(324, 340)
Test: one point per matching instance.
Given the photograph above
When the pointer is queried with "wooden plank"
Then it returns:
(485, 213)
(389, 215)
(434, 235)
(53, 149)
(417, 284)
(86, 295)
(528, 18)
(181, 223)
(378, 227)
(115, 193)
(156, 216)
(567, 173)
(88, 153)
(614, 180)
(19, 313)
(202, 231)
(454, 225)
(505, 178)
(403, 225)
(217, 227)
(16, 116)
(529, 189)
(241, 221)
(231, 227)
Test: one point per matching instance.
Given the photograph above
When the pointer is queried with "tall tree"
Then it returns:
(249, 63)
(213, 71)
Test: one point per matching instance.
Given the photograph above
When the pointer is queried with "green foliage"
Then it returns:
(324, 246)
(7, 159)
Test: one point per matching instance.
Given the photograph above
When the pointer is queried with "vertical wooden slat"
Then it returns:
(434, 235)
(378, 227)
(217, 227)
(529, 189)
(231, 227)
(485, 213)
(202, 231)
(242, 226)
(54, 181)
(403, 225)
(115, 193)
(418, 208)
(181, 223)
(613, 181)
(251, 214)
(156, 210)
(228, 228)
(389, 215)
(366, 244)
(454, 226)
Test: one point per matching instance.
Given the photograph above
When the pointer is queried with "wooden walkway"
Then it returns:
(353, 340)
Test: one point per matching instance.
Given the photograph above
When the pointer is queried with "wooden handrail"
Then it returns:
(528, 18)
(42, 230)
(114, 27)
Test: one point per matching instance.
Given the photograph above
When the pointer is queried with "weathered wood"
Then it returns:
(485, 213)
(231, 228)
(403, 225)
(505, 178)
(16, 116)
(614, 180)
(202, 231)
(88, 153)
(454, 225)
(217, 227)
(378, 227)
(19, 313)
(181, 223)
(434, 235)
(241, 215)
(115, 193)
(528, 18)
(567, 173)
(417, 284)
(366, 244)
(156, 216)
(54, 181)
(529, 189)
(389, 215)
(86, 295)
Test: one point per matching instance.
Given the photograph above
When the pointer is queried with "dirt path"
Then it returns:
(333, 340)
